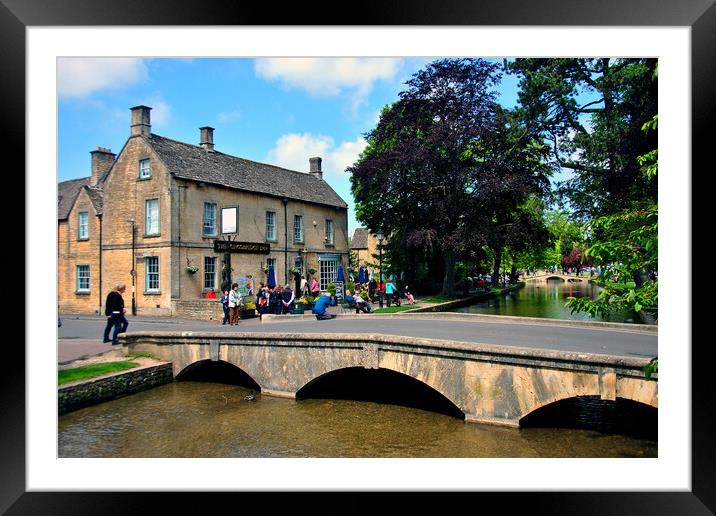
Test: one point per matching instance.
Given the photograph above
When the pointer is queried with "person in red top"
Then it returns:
(210, 295)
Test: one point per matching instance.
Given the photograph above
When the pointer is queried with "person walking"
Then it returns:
(114, 310)
(224, 300)
(234, 303)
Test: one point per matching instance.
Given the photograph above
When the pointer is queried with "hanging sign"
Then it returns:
(226, 246)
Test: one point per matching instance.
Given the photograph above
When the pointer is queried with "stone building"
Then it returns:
(163, 208)
(364, 246)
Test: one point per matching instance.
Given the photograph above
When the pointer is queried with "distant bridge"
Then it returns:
(542, 277)
(487, 383)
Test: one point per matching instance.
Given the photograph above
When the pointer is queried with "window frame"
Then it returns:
(148, 169)
(213, 274)
(275, 232)
(298, 217)
(80, 225)
(331, 241)
(203, 225)
(147, 220)
(78, 288)
(147, 279)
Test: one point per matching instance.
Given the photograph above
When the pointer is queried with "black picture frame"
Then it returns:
(16, 15)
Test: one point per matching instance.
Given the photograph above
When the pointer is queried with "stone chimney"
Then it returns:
(207, 138)
(102, 161)
(141, 124)
(315, 170)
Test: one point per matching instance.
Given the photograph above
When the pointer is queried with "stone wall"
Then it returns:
(91, 392)
(203, 309)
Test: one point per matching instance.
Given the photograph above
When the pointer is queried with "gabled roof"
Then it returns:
(360, 239)
(67, 193)
(95, 195)
(195, 163)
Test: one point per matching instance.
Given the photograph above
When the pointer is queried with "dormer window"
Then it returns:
(145, 171)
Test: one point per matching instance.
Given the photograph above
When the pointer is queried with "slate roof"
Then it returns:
(67, 192)
(195, 163)
(95, 195)
(360, 239)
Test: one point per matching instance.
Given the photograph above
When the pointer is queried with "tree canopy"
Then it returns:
(447, 167)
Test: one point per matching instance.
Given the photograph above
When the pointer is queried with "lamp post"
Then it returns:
(133, 273)
(379, 236)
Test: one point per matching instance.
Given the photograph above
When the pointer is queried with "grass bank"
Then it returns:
(93, 371)
(436, 300)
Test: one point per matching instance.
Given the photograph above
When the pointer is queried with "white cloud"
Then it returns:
(329, 76)
(228, 117)
(161, 111)
(80, 77)
(293, 150)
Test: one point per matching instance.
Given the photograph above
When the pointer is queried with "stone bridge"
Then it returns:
(488, 383)
(556, 276)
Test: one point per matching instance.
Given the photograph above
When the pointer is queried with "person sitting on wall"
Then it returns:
(362, 305)
(320, 307)
(349, 300)
(210, 294)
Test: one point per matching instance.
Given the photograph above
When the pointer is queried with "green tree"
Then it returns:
(591, 110)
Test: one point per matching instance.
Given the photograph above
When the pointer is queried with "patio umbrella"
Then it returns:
(339, 275)
(361, 274)
(271, 280)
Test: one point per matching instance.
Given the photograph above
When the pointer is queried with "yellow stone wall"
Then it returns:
(180, 240)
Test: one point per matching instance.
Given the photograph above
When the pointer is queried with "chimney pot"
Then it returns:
(102, 160)
(207, 138)
(315, 167)
(141, 122)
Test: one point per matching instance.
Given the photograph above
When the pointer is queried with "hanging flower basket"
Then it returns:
(192, 269)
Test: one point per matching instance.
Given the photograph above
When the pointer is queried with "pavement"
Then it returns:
(80, 336)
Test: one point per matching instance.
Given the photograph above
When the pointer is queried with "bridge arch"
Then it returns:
(620, 415)
(379, 385)
(218, 371)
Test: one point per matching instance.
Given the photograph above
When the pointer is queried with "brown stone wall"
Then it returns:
(124, 200)
(73, 252)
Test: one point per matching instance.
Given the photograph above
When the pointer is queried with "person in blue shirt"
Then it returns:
(320, 307)
(390, 292)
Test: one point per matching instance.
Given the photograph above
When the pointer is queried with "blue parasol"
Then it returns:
(271, 280)
(361, 275)
(339, 275)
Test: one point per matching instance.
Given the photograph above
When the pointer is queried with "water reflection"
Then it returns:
(546, 299)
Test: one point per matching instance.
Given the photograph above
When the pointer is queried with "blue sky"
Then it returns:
(279, 111)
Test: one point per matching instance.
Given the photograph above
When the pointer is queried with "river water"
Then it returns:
(546, 300)
(206, 419)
